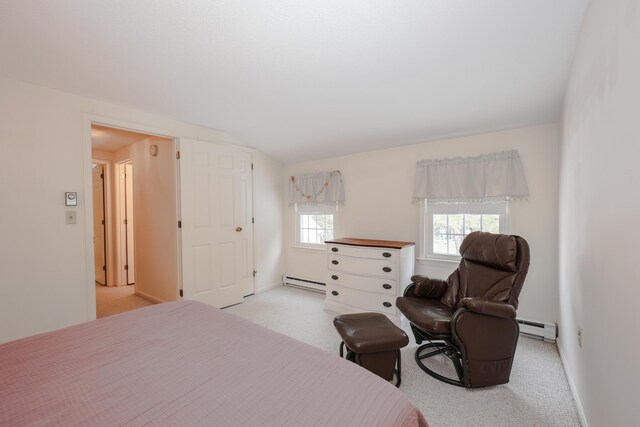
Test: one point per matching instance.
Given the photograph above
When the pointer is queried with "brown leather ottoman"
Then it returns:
(373, 342)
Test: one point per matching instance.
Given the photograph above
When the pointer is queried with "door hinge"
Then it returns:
(101, 176)
(103, 222)
(253, 220)
(125, 221)
(251, 166)
(179, 224)
(254, 273)
(104, 267)
(181, 292)
(126, 267)
(177, 155)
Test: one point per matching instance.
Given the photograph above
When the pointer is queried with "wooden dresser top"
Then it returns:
(371, 243)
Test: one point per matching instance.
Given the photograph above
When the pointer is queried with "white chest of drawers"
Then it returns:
(367, 275)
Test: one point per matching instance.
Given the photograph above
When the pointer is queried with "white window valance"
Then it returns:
(322, 188)
(488, 178)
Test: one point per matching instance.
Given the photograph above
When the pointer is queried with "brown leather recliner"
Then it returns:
(471, 316)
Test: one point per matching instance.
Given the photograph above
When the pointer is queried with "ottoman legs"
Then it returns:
(357, 358)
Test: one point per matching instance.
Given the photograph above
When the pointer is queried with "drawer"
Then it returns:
(363, 283)
(367, 301)
(363, 252)
(370, 267)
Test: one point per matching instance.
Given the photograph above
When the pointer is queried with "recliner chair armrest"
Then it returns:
(409, 290)
(491, 308)
(429, 288)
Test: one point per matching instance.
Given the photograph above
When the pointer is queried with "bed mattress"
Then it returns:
(186, 363)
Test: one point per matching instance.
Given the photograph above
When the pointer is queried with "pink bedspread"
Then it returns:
(185, 363)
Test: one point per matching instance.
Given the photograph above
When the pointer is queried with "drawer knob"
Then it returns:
(387, 304)
(334, 277)
(386, 254)
(386, 269)
(336, 293)
(335, 262)
(386, 286)
(334, 249)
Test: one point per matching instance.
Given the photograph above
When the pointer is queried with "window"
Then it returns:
(446, 225)
(314, 225)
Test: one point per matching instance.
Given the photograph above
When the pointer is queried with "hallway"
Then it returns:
(117, 299)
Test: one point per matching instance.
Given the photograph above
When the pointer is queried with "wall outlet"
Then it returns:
(580, 337)
(70, 217)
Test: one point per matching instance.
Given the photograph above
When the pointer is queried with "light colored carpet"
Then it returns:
(537, 395)
(117, 299)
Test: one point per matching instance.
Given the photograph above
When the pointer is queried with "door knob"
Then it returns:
(238, 229)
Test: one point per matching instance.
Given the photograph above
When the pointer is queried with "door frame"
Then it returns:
(109, 173)
(87, 121)
(106, 207)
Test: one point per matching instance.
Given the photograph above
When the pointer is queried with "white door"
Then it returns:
(217, 230)
(98, 225)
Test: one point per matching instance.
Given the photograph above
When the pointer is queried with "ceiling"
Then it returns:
(305, 79)
(109, 139)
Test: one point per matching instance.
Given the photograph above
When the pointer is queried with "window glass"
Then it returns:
(314, 228)
(447, 225)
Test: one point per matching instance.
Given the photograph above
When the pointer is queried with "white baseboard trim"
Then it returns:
(339, 308)
(149, 297)
(572, 386)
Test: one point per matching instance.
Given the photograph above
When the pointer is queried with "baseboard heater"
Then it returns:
(546, 331)
(297, 282)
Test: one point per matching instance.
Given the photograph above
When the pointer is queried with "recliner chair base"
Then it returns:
(453, 347)
(441, 347)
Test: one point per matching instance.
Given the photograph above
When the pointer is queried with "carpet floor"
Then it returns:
(537, 394)
(117, 299)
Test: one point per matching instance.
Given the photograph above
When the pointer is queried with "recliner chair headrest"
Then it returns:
(497, 250)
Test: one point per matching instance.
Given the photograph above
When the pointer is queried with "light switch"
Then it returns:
(70, 217)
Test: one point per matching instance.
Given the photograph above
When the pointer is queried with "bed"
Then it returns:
(186, 363)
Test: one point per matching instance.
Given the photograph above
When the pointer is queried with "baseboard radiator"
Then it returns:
(546, 331)
(298, 282)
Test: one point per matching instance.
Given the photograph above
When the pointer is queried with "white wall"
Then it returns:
(599, 215)
(155, 220)
(379, 187)
(43, 270)
(269, 226)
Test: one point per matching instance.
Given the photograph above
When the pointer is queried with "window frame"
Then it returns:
(427, 211)
(312, 210)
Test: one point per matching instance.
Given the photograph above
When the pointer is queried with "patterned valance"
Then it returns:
(488, 178)
(321, 188)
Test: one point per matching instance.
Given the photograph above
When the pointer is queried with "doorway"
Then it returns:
(138, 219)
(219, 269)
